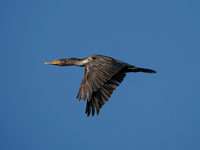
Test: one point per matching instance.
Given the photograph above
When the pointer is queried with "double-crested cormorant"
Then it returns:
(102, 76)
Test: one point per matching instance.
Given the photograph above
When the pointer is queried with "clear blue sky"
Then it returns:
(38, 105)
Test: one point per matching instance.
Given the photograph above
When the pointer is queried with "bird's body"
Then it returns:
(102, 75)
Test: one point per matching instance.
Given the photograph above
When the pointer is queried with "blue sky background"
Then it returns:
(38, 105)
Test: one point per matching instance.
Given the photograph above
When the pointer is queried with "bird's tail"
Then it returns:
(145, 70)
(135, 69)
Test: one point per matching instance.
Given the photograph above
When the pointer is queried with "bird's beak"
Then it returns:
(52, 63)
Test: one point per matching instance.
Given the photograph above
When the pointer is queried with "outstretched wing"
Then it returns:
(102, 95)
(102, 76)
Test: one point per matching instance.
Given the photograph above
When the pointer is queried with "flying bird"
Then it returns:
(102, 75)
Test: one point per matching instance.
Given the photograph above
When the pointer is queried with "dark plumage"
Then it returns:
(102, 76)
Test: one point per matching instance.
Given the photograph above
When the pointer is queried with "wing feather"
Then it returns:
(100, 79)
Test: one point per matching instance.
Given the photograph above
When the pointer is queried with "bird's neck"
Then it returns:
(77, 62)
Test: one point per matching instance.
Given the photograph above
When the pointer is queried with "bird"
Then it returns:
(101, 77)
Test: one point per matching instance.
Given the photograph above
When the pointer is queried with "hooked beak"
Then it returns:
(52, 63)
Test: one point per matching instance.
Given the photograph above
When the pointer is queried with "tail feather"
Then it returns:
(143, 70)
